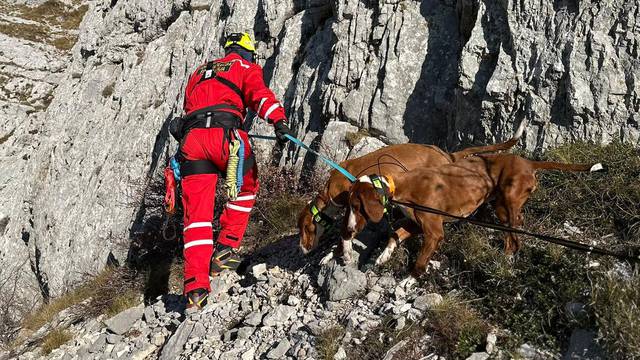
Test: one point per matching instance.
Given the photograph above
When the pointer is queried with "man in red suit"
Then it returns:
(216, 98)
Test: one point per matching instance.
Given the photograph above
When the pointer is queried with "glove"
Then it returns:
(282, 129)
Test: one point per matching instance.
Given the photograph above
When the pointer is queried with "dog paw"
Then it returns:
(325, 260)
(384, 257)
(418, 271)
(347, 258)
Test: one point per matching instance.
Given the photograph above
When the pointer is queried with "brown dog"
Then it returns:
(458, 189)
(393, 159)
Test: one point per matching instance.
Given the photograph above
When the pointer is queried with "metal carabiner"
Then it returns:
(167, 225)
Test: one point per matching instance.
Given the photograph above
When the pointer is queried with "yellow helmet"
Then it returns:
(241, 39)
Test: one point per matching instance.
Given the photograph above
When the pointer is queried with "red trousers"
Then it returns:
(198, 199)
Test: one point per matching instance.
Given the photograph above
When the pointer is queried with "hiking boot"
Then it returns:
(197, 298)
(224, 258)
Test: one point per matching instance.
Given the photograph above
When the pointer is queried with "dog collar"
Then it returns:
(390, 184)
(319, 217)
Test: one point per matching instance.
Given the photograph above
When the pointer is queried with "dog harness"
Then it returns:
(383, 188)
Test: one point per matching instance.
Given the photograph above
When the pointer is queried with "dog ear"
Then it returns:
(371, 205)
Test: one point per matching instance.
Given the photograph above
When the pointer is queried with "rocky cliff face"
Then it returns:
(447, 72)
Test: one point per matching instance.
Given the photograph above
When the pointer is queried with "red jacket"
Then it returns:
(247, 78)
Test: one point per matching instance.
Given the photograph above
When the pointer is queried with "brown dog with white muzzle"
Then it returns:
(392, 159)
(457, 189)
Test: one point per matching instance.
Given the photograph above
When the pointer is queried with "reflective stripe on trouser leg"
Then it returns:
(198, 196)
(235, 216)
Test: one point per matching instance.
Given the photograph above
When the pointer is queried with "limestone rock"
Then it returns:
(122, 322)
(341, 282)
(280, 349)
(478, 356)
(278, 315)
(427, 301)
(176, 343)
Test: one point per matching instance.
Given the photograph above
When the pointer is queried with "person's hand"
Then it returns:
(282, 129)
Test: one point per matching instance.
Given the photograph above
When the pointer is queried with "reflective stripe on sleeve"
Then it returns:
(198, 242)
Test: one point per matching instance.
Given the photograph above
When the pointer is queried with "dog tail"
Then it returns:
(548, 165)
(491, 148)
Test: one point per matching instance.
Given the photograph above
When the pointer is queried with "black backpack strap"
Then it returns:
(209, 74)
(231, 86)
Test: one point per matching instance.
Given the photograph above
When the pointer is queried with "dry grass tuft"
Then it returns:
(121, 290)
(122, 302)
(616, 303)
(457, 328)
(328, 342)
(110, 290)
(277, 207)
(382, 338)
(353, 138)
(48, 311)
(54, 340)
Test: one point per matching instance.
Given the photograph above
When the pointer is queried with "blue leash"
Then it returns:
(329, 162)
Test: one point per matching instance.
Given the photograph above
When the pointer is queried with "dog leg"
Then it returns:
(325, 260)
(516, 220)
(511, 214)
(386, 254)
(509, 243)
(405, 230)
(347, 250)
(433, 235)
